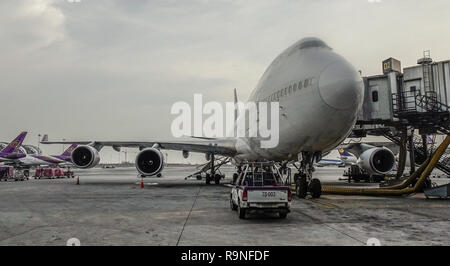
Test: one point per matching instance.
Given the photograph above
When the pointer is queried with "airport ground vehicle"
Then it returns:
(9, 173)
(52, 173)
(260, 188)
(356, 174)
(6, 172)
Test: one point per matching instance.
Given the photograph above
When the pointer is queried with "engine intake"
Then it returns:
(377, 161)
(150, 162)
(85, 157)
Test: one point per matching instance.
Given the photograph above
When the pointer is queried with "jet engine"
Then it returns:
(85, 157)
(150, 162)
(377, 161)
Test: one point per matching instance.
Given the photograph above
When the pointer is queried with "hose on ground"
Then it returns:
(401, 189)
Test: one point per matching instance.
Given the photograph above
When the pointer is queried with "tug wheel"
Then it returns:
(241, 212)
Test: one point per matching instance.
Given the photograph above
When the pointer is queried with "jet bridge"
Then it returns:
(397, 104)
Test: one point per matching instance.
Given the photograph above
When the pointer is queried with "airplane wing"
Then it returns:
(224, 146)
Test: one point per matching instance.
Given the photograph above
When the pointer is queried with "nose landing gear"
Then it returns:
(304, 182)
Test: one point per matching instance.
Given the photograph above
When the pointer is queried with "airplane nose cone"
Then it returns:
(340, 86)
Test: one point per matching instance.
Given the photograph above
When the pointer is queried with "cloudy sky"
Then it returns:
(111, 69)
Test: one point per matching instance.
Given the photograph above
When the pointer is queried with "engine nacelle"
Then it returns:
(377, 161)
(85, 157)
(150, 162)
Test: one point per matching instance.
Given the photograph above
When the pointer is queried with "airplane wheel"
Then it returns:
(296, 177)
(301, 188)
(282, 215)
(217, 178)
(241, 212)
(199, 177)
(208, 179)
(315, 188)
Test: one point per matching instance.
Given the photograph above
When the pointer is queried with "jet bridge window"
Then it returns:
(374, 96)
(412, 89)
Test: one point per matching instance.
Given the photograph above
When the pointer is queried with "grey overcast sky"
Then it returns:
(111, 69)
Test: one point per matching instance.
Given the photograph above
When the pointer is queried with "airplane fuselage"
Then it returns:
(319, 94)
(37, 160)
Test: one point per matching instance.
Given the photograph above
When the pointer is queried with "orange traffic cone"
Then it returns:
(142, 183)
(78, 180)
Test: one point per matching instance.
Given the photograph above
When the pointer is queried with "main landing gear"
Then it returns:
(304, 182)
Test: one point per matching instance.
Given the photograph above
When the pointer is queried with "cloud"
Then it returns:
(27, 25)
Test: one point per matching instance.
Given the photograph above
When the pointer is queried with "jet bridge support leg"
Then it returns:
(425, 145)
(402, 155)
(412, 157)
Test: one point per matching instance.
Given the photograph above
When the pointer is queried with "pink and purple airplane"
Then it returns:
(11, 152)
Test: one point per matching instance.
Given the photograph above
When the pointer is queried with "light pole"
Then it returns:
(39, 140)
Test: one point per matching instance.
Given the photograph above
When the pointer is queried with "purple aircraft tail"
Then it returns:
(45, 138)
(15, 144)
(69, 150)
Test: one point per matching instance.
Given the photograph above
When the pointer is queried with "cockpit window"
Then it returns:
(313, 44)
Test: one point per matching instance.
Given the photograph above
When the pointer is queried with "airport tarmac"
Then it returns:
(110, 208)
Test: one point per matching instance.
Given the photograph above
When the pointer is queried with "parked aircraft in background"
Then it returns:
(32, 160)
(346, 157)
(372, 159)
(329, 162)
(11, 152)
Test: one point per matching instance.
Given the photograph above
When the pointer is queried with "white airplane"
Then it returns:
(31, 160)
(329, 162)
(345, 158)
(319, 94)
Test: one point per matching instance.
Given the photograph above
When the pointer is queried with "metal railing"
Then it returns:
(444, 162)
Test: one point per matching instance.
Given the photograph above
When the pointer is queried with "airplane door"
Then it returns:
(374, 97)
